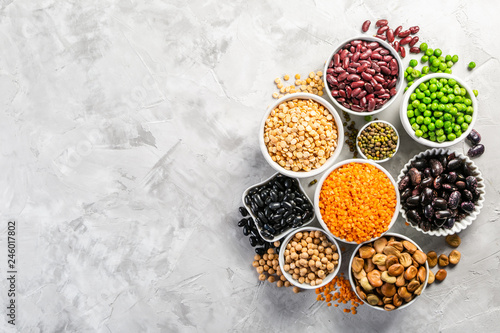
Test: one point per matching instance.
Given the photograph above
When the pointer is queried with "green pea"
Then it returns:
(449, 64)
(448, 57)
(457, 128)
(424, 59)
(447, 123)
(413, 62)
(431, 127)
(426, 135)
(434, 106)
(426, 100)
(463, 92)
(368, 118)
(415, 73)
(427, 93)
(448, 71)
(464, 126)
(423, 47)
(433, 81)
(475, 92)
(425, 70)
(459, 120)
(433, 69)
(429, 52)
(441, 138)
(420, 95)
(410, 113)
(439, 85)
(454, 58)
(438, 52)
(447, 117)
(420, 120)
(413, 96)
(468, 118)
(453, 112)
(427, 120)
(458, 99)
(427, 113)
(469, 110)
(438, 114)
(410, 83)
(405, 73)
(439, 95)
(451, 97)
(422, 108)
(458, 133)
(452, 82)
(433, 87)
(409, 70)
(441, 58)
(412, 120)
(432, 59)
(448, 130)
(422, 86)
(418, 133)
(444, 99)
(417, 112)
(451, 136)
(472, 64)
(432, 138)
(439, 123)
(415, 126)
(439, 132)
(442, 66)
(415, 103)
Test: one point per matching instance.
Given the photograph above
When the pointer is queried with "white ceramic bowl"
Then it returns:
(465, 222)
(249, 209)
(329, 161)
(406, 122)
(336, 166)
(327, 278)
(399, 84)
(368, 124)
(352, 279)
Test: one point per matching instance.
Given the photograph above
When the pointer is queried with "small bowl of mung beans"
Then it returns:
(378, 141)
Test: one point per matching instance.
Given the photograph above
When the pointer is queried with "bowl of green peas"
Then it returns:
(439, 110)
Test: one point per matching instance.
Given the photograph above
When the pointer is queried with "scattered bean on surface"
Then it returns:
(441, 275)
(453, 240)
(454, 257)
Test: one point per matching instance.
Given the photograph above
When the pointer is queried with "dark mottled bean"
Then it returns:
(474, 137)
(476, 151)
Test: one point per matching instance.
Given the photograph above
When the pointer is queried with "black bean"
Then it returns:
(270, 229)
(449, 223)
(287, 205)
(427, 172)
(427, 182)
(454, 164)
(246, 230)
(266, 234)
(471, 183)
(247, 199)
(258, 200)
(414, 217)
(436, 166)
(260, 251)
(438, 182)
(274, 206)
(274, 195)
(253, 241)
(413, 201)
(262, 217)
(267, 212)
(467, 206)
(243, 211)
(420, 164)
(428, 212)
(299, 201)
(427, 196)
(439, 203)
(258, 222)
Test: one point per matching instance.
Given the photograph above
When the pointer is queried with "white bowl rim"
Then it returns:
(285, 233)
(399, 83)
(281, 259)
(368, 124)
(339, 164)
(353, 284)
(329, 161)
(465, 222)
(404, 106)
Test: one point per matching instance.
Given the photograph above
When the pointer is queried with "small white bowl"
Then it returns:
(368, 124)
(352, 279)
(329, 161)
(327, 278)
(406, 122)
(399, 84)
(465, 222)
(249, 209)
(336, 166)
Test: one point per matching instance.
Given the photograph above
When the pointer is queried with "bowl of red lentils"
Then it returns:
(301, 135)
(363, 76)
(309, 258)
(356, 201)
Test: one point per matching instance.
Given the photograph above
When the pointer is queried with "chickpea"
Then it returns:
(262, 277)
(255, 263)
(260, 269)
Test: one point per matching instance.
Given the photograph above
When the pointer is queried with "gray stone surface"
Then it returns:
(128, 132)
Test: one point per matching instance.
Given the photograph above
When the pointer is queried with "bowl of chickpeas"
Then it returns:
(439, 110)
(309, 258)
(301, 135)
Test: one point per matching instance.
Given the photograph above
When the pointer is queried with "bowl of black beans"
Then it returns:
(441, 192)
(378, 140)
(278, 205)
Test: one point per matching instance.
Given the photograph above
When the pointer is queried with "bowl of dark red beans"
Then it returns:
(277, 206)
(363, 75)
(441, 191)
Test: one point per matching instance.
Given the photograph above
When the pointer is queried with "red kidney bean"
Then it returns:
(338, 70)
(355, 56)
(381, 37)
(366, 25)
(341, 85)
(346, 105)
(371, 104)
(355, 92)
(387, 58)
(376, 67)
(414, 30)
(402, 51)
(353, 77)
(369, 88)
(331, 80)
(345, 62)
(413, 41)
(329, 71)
(372, 45)
(351, 70)
(379, 78)
(348, 91)
(384, 52)
(392, 83)
(393, 64)
(357, 84)
(385, 70)
(365, 55)
(376, 56)
(362, 100)
(381, 23)
(335, 93)
(398, 30)
(336, 60)
(341, 99)
(370, 71)
(342, 93)
(344, 54)
(392, 91)
(354, 64)
(415, 49)
(354, 101)
(381, 63)
(396, 46)
(404, 34)
(342, 76)
(362, 94)
(366, 76)
(405, 40)
(352, 49)
(356, 108)
(377, 87)
(356, 43)
(361, 69)
(385, 96)
(382, 29)
(367, 62)
(390, 35)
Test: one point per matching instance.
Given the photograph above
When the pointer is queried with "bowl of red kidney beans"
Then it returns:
(363, 75)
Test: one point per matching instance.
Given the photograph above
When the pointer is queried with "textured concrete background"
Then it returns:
(128, 131)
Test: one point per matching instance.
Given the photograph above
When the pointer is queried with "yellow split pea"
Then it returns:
(300, 135)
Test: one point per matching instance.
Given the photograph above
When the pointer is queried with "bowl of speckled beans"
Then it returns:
(301, 135)
(378, 141)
